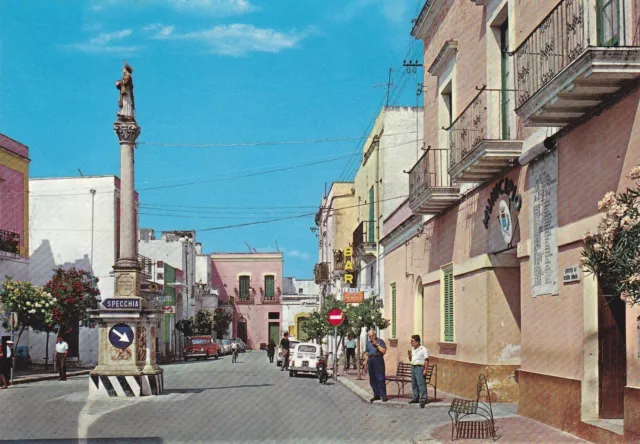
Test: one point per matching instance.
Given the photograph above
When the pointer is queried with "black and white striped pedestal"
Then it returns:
(103, 386)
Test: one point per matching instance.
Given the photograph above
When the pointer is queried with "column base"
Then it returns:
(125, 386)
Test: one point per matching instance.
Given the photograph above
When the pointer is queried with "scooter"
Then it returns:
(321, 366)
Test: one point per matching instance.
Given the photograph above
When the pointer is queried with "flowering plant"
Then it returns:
(32, 305)
(75, 293)
(612, 253)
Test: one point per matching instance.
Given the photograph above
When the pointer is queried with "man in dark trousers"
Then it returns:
(62, 349)
(284, 346)
(8, 356)
(376, 349)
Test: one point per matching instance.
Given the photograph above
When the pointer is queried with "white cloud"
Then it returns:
(299, 254)
(218, 8)
(238, 39)
(159, 31)
(106, 42)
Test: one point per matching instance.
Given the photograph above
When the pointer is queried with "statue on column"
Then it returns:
(126, 101)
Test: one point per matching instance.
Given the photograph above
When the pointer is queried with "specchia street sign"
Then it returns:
(335, 317)
(122, 304)
(121, 336)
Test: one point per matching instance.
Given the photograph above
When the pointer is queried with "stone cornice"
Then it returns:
(448, 51)
(246, 257)
(401, 234)
(426, 18)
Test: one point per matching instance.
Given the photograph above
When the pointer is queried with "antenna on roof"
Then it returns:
(248, 246)
(81, 175)
(277, 247)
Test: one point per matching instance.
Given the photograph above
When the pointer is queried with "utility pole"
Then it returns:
(389, 84)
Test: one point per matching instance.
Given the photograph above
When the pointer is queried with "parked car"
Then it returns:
(226, 344)
(243, 346)
(219, 342)
(200, 347)
(304, 359)
(292, 344)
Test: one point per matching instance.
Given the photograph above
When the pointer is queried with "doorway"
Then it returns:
(302, 334)
(418, 312)
(242, 330)
(274, 332)
(612, 362)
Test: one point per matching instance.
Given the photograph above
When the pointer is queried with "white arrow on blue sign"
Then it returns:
(121, 336)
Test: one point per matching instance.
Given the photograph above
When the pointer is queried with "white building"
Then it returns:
(73, 223)
(206, 295)
(300, 297)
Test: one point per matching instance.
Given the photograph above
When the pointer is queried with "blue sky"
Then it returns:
(210, 72)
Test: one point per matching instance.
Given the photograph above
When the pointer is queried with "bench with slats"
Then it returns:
(462, 408)
(402, 377)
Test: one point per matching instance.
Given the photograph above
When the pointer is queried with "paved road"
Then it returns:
(210, 401)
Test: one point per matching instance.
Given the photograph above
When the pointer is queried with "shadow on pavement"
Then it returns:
(91, 440)
(200, 390)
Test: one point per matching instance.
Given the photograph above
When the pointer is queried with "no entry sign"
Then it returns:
(336, 317)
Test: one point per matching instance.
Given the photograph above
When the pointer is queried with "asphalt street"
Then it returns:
(209, 401)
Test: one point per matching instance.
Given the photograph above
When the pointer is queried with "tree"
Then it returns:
(317, 326)
(221, 320)
(203, 322)
(75, 292)
(33, 305)
(612, 252)
(185, 326)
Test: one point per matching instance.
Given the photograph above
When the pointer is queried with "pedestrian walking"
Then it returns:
(271, 350)
(350, 346)
(284, 349)
(419, 358)
(3, 381)
(8, 357)
(62, 349)
(376, 348)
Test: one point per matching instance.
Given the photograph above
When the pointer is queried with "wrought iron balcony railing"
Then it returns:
(560, 38)
(321, 272)
(9, 242)
(430, 171)
(489, 116)
(363, 235)
(147, 266)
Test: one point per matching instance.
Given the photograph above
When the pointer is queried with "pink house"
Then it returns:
(252, 284)
(14, 209)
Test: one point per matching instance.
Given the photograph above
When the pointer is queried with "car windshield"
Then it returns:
(306, 348)
(226, 342)
(199, 341)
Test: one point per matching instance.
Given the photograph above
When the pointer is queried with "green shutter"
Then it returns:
(608, 18)
(269, 289)
(448, 305)
(244, 287)
(372, 216)
(393, 311)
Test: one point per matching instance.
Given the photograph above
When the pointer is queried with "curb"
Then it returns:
(28, 379)
(365, 396)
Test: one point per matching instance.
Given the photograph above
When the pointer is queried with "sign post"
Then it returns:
(336, 317)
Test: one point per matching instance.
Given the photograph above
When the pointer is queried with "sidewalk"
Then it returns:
(38, 373)
(510, 427)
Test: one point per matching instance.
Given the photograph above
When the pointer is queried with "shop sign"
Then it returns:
(353, 297)
(348, 266)
(504, 187)
(169, 309)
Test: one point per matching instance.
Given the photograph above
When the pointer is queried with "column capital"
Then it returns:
(127, 132)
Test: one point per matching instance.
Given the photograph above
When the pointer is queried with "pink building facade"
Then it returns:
(251, 283)
(531, 116)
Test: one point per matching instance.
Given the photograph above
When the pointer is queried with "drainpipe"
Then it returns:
(93, 203)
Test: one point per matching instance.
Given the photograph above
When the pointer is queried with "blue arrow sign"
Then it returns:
(121, 336)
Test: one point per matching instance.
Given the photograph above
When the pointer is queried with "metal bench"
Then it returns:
(431, 379)
(402, 377)
(463, 408)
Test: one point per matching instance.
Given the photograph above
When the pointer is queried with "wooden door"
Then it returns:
(242, 331)
(274, 332)
(612, 356)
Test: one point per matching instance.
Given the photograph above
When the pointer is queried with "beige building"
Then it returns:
(531, 112)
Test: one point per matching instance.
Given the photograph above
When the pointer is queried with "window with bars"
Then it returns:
(244, 284)
(269, 286)
(393, 311)
(447, 282)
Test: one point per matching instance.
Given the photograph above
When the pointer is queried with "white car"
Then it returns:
(292, 344)
(226, 346)
(304, 358)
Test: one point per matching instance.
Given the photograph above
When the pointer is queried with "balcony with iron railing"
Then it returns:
(9, 242)
(271, 296)
(481, 139)
(430, 187)
(321, 272)
(146, 266)
(364, 239)
(576, 60)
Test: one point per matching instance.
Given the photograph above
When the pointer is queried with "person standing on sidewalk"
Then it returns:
(350, 345)
(8, 364)
(3, 362)
(271, 350)
(376, 348)
(419, 357)
(284, 346)
(61, 358)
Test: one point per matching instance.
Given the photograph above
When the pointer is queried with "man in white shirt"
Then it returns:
(350, 347)
(61, 356)
(419, 357)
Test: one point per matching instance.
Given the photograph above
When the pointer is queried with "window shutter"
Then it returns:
(393, 311)
(269, 286)
(448, 305)
(244, 287)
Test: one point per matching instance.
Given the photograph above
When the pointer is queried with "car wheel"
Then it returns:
(291, 374)
(206, 356)
(186, 359)
(217, 355)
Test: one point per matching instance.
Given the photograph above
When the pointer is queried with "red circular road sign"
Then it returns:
(336, 317)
